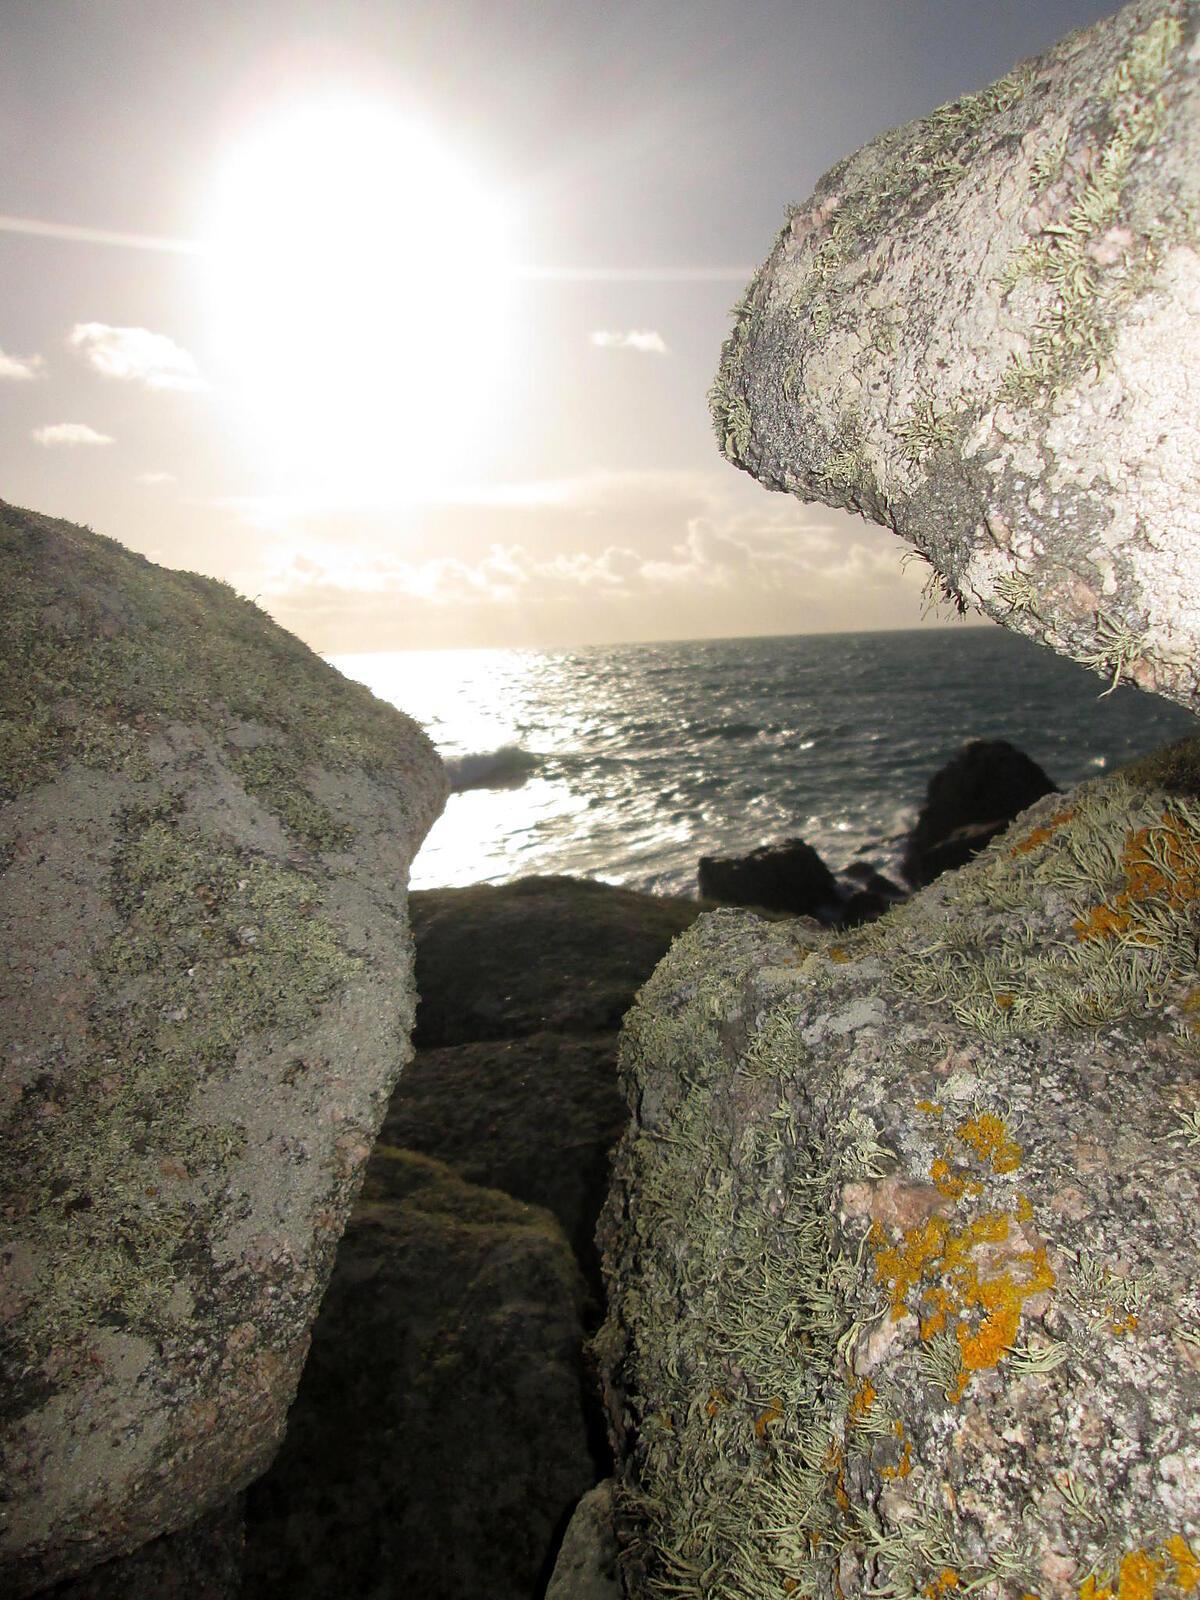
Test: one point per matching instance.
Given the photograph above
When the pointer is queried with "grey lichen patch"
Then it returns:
(119, 1183)
(102, 648)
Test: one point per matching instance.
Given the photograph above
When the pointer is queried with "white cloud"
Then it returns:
(135, 354)
(647, 340)
(70, 433)
(155, 477)
(20, 368)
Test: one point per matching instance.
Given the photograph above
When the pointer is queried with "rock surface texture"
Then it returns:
(983, 330)
(902, 1251)
(207, 997)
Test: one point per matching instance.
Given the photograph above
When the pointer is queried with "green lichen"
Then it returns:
(101, 649)
(924, 430)
(273, 775)
(117, 1173)
(919, 164)
(731, 419)
(1089, 287)
(1125, 952)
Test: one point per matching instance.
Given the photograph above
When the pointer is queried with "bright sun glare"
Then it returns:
(359, 284)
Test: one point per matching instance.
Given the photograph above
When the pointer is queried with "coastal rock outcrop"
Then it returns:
(969, 801)
(901, 1248)
(982, 330)
(207, 996)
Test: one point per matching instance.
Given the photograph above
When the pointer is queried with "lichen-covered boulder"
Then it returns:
(902, 1248)
(440, 1434)
(982, 332)
(206, 999)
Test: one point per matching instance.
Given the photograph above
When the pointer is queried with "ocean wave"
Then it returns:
(505, 768)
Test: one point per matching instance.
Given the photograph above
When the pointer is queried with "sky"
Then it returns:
(400, 316)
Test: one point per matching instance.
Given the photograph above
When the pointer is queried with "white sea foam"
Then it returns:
(505, 768)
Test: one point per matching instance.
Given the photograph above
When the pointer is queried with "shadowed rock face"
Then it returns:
(206, 999)
(981, 331)
(439, 1437)
(902, 1249)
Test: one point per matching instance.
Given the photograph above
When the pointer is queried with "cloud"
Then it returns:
(135, 354)
(70, 433)
(21, 368)
(155, 477)
(646, 340)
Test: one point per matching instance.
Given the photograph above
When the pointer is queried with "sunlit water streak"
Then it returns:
(628, 763)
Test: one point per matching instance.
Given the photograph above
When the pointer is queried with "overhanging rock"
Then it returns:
(902, 1251)
(983, 331)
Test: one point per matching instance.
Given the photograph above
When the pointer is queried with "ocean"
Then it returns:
(629, 762)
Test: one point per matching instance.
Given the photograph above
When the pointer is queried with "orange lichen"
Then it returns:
(1038, 836)
(1137, 1579)
(1168, 870)
(903, 1464)
(946, 1579)
(1186, 1563)
(946, 1180)
(717, 1401)
(861, 1401)
(772, 1414)
(1024, 1208)
(931, 1108)
(932, 1273)
(838, 954)
(1119, 1326)
(987, 1135)
(835, 1466)
(1001, 1300)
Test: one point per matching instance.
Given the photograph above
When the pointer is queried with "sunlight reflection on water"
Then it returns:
(629, 763)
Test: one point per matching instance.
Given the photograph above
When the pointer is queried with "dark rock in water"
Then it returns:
(535, 1117)
(778, 877)
(439, 1437)
(866, 894)
(564, 954)
(200, 1562)
(969, 801)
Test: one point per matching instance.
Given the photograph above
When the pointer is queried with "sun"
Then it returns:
(358, 285)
